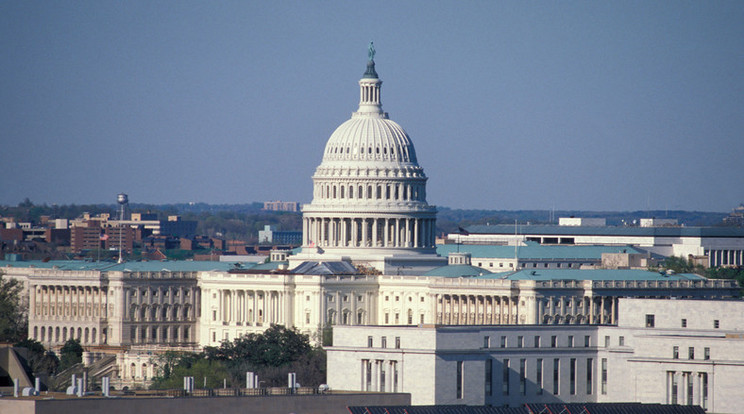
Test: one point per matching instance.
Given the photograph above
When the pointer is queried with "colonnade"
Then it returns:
(380, 375)
(725, 258)
(252, 307)
(405, 232)
(573, 310)
(67, 302)
(467, 309)
(688, 388)
(57, 335)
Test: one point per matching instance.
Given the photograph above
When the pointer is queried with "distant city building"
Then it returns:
(665, 352)
(269, 235)
(282, 206)
(736, 218)
(715, 246)
(579, 221)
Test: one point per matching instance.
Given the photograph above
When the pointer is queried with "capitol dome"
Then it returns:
(369, 194)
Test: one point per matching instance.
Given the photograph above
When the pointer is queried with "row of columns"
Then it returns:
(369, 232)
(688, 388)
(380, 375)
(255, 307)
(59, 302)
(476, 309)
(725, 258)
(573, 310)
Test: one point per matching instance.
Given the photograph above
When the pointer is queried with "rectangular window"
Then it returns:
(716, 324)
(520, 341)
(675, 352)
(460, 368)
(691, 353)
(397, 342)
(621, 341)
(539, 375)
(486, 342)
(587, 341)
(706, 353)
(704, 390)
(387, 318)
(383, 342)
(572, 378)
(503, 342)
(570, 341)
(523, 376)
(684, 323)
(537, 341)
(674, 388)
(370, 342)
(489, 377)
(650, 321)
(556, 376)
(505, 379)
(589, 368)
(604, 376)
(553, 341)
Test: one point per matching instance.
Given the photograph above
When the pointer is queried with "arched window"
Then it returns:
(369, 192)
(379, 192)
(342, 191)
(93, 336)
(351, 191)
(360, 194)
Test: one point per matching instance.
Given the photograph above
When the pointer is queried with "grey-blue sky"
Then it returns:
(511, 105)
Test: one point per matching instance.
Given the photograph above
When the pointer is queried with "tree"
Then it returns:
(13, 321)
(70, 354)
(193, 365)
(39, 359)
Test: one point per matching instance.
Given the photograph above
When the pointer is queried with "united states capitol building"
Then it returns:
(368, 257)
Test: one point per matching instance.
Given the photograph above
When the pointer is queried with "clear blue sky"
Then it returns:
(594, 105)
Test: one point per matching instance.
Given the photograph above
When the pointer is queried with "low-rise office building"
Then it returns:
(661, 351)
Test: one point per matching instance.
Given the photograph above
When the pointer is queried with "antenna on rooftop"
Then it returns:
(123, 200)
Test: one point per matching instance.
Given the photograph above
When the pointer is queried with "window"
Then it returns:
(383, 342)
(706, 353)
(523, 376)
(621, 341)
(589, 363)
(684, 323)
(704, 391)
(489, 375)
(505, 382)
(539, 375)
(649, 321)
(572, 378)
(570, 341)
(520, 341)
(370, 342)
(587, 341)
(556, 369)
(604, 376)
(675, 352)
(607, 341)
(503, 342)
(460, 380)
(537, 341)
(716, 324)
(553, 341)
(486, 342)
(674, 388)
(691, 353)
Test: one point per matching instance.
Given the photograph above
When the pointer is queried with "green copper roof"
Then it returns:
(595, 274)
(457, 271)
(534, 251)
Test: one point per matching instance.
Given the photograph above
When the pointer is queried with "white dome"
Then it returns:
(371, 139)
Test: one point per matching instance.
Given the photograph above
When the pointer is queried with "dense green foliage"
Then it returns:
(39, 359)
(271, 355)
(70, 354)
(13, 321)
(682, 265)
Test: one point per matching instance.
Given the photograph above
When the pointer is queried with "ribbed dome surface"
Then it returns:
(370, 139)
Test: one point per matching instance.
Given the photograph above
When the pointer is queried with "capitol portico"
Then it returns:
(369, 195)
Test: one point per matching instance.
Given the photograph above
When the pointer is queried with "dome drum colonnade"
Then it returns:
(369, 191)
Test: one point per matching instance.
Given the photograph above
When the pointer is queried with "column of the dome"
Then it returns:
(416, 233)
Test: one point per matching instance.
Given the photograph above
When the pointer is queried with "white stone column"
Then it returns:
(364, 232)
(416, 233)
(408, 233)
(397, 241)
(304, 232)
(374, 232)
